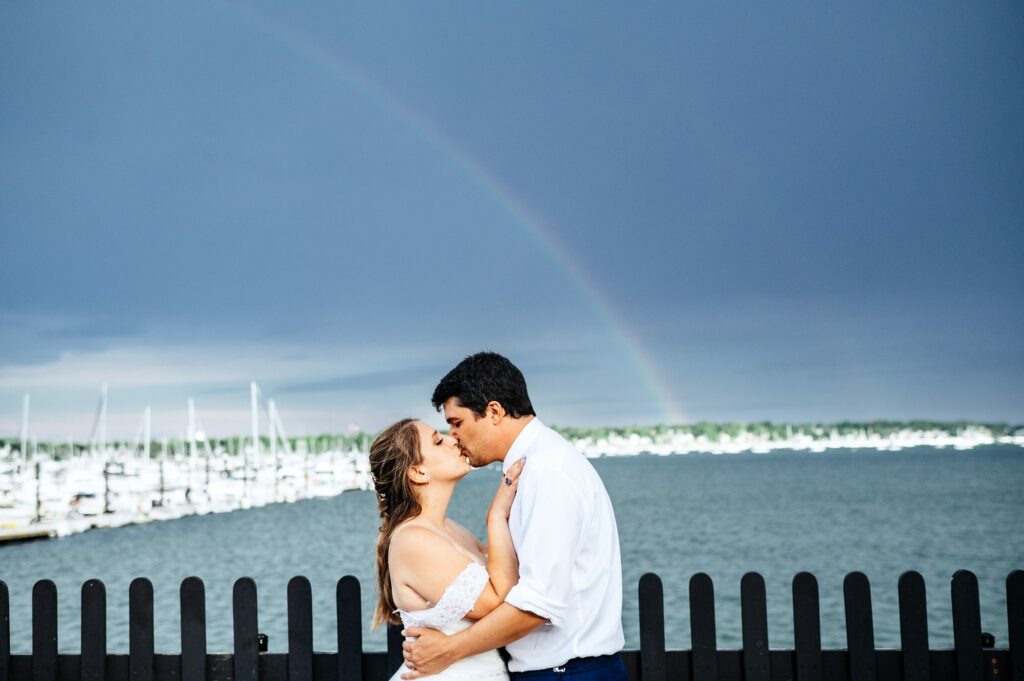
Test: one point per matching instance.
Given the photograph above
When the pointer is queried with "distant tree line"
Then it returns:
(325, 442)
(782, 431)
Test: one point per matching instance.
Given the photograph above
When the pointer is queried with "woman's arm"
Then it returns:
(502, 564)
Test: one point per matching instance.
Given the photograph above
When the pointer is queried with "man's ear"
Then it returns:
(418, 475)
(494, 411)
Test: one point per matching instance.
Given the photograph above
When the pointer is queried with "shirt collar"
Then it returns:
(522, 442)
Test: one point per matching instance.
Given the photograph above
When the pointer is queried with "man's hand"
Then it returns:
(431, 653)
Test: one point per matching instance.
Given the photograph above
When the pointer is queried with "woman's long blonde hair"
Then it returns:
(392, 453)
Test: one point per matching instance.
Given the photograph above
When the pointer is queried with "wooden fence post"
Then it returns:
(806, 627)
(967, 626)
(140, 630)
(44, 631)
(1015, 621)
(914, 627)
(395, 641)
(192, 596)
(350, 630)
(94, 631)
(860, 629)
(300, 630)
(702, 628)
(247, 658)
(652, 628)
(5, 632)
(754, 614)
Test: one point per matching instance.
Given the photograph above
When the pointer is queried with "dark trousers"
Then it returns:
(604, 668)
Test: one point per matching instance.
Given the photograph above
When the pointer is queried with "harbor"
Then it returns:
(56, 491)
(59, 489)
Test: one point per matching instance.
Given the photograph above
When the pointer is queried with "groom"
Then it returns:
(564, 617)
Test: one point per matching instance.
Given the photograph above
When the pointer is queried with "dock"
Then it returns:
(35, 531)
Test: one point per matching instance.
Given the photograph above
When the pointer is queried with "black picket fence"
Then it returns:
(974, 657)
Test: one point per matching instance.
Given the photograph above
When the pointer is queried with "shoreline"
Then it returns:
(681, 443)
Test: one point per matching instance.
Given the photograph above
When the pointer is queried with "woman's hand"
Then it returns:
(501, 507)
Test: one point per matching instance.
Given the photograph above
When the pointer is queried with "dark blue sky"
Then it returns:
(660, 212)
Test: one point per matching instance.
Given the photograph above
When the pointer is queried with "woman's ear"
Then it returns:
(418, 475)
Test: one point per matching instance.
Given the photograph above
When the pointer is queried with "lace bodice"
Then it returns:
(449, 616)
(457, 600)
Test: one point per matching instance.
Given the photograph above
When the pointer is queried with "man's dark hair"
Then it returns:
(482, 378)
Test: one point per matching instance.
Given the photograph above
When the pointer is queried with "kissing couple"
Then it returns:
(547, 586)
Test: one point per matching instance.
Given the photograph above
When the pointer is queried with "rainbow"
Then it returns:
(635, 352)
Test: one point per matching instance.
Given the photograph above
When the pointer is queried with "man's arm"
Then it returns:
(433, 651)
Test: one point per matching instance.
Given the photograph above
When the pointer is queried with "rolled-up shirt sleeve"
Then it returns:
(552, 511)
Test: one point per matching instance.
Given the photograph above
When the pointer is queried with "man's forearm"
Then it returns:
(502, 626)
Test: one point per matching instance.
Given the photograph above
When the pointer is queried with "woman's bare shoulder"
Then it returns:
(424, 561)
(417, 542)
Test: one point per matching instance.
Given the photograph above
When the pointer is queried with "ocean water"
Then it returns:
(881, 513)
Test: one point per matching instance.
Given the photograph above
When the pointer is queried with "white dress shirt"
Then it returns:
(570, 571)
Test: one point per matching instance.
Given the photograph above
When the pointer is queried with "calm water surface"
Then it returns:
(934, 511)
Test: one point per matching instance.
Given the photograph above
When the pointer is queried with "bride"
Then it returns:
(431, 571)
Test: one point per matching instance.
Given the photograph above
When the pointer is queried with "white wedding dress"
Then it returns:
(449, 616)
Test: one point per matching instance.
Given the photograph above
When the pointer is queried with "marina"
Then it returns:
(56, 490)
(59, 491)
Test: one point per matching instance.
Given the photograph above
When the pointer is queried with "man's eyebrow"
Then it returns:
(450, 419)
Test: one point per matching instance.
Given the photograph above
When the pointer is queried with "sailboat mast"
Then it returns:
(39, 491)
(103, 420)
(191, 429)
(273, 444)
(146, 433)
(24, 428)
(254, 394)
